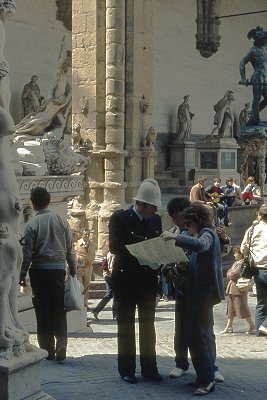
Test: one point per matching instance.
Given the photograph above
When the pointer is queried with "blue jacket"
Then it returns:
(205, 277)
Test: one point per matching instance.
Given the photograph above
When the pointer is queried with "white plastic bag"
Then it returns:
(244, 284)
(73, 299)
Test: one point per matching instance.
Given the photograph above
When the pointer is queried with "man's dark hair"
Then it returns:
(40, 197)
(177, 204)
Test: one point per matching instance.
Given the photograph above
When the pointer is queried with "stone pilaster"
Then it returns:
(139, 91)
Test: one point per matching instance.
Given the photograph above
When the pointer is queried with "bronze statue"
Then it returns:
(258, 59)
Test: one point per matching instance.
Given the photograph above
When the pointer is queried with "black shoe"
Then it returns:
(51, 356)
(153, 377)
(61, 353)
(95, 315)
(129, 379)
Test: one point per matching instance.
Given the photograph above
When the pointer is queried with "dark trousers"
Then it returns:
(140, 293)
(180, 336)
(201, 341)
(108, 296)
(48, 301)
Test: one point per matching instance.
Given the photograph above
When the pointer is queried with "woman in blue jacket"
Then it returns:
(204, 289)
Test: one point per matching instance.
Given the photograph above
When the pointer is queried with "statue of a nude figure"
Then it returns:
(13, 336)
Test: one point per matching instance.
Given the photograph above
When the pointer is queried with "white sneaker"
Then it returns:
(263, 330)
(177, 372)
(218, 377)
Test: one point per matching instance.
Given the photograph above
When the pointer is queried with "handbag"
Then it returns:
(73, 299)
(179, 278)
(247, 269)
(244, 284)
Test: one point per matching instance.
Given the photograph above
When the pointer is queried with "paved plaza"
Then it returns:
(90, 370)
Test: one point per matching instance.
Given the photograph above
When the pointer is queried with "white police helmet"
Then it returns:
(149, 192)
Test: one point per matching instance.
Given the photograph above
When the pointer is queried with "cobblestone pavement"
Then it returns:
(90, 370)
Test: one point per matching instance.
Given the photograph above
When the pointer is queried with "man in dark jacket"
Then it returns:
(135, 285)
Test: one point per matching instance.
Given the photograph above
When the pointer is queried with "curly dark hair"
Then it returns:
(199, 213)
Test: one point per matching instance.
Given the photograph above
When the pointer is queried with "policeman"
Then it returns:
(135, 285)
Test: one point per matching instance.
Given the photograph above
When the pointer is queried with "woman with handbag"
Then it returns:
(255, 243)
(237, 303)
(204, 289)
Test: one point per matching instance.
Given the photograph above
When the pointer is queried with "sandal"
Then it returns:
(203, 390)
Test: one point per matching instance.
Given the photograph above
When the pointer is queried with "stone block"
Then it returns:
(76, 320)
(20, 377)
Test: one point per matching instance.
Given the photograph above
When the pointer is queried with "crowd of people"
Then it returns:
(198, 284)
(224, 196)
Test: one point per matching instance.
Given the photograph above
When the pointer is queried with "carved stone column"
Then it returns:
(114, 154)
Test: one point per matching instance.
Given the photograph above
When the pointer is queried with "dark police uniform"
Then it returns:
(134, 285)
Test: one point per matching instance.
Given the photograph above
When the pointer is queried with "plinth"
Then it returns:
(182, 162)
(20, 378)
(217, 157)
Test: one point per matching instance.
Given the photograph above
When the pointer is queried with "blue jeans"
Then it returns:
(201, 341)
(108, 296)
(260, 279)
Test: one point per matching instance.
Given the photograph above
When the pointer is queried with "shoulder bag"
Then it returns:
(247, 269)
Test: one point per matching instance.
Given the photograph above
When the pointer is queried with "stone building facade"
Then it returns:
(133, 61)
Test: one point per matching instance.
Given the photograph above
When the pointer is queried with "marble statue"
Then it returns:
(150, 138)
(7, 8)
(183, 124)
(54, 110)
(43, 129)
(244, 115)
(31, 97)
(257, 57)
(13, 336)
(35, 123)
(224, 118)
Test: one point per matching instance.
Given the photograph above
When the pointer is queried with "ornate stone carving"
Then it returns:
(63, 187)
(254, 145)
(61, 159)
(144, 104)
(150, 138)
(208, 38)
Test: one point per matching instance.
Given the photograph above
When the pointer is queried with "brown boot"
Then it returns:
(61, 348)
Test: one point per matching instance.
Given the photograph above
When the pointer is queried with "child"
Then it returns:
(237, 305)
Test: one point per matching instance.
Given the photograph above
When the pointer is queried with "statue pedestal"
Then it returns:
(20, 378)
(182, 161)
(217, 157)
